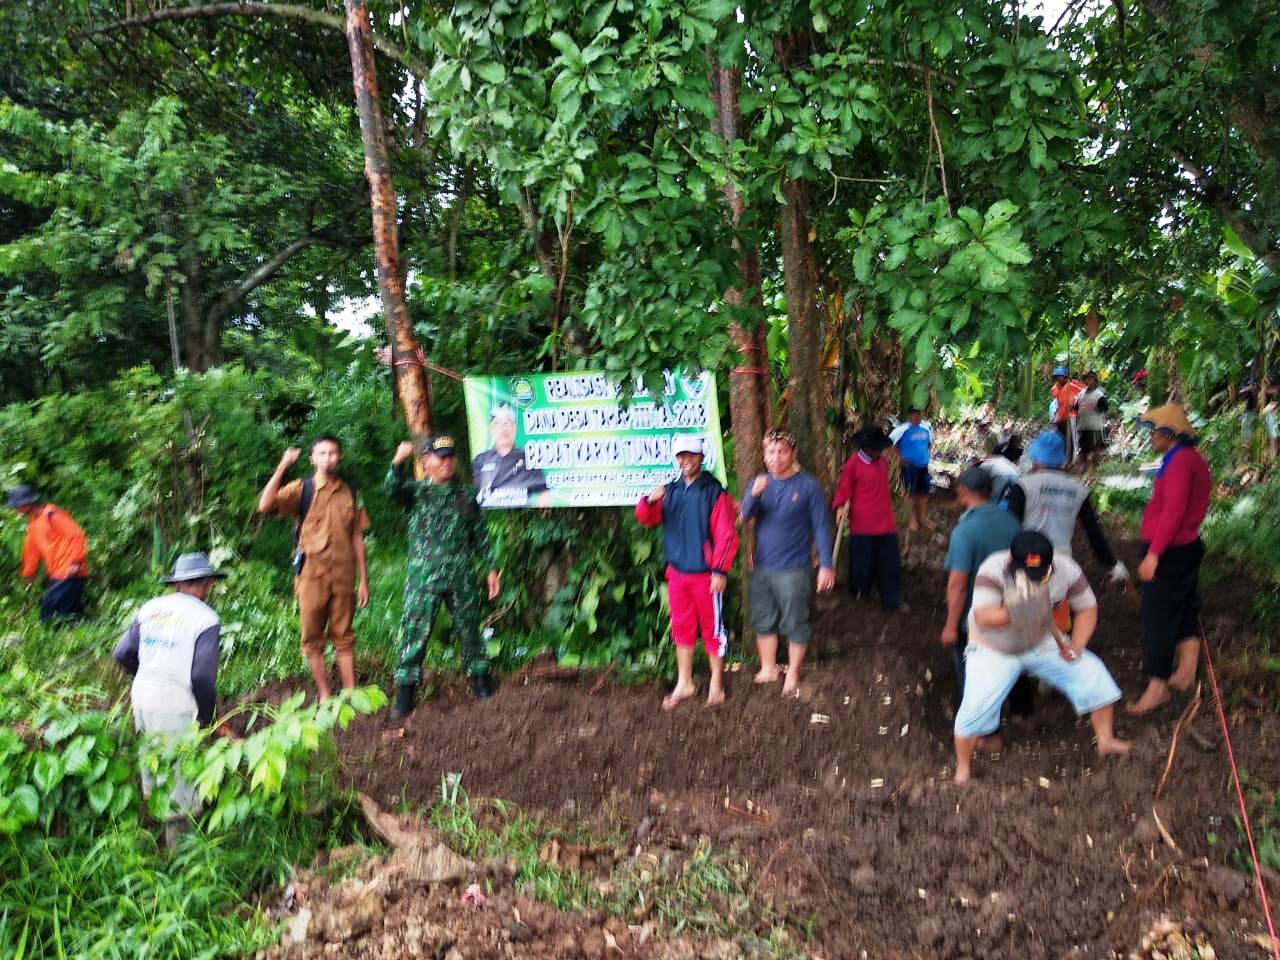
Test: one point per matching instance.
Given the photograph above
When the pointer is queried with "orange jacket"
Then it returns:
(52, 536)
(1067, 395)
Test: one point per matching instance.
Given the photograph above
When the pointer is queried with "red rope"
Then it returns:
(743, 371)
(1244, 809)
(420, 360)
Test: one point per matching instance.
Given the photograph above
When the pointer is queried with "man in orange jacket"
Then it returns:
(57, 540)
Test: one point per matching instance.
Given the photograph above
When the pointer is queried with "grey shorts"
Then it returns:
(780, 603)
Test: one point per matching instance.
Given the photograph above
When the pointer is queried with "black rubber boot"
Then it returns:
(404, 701)
(480, 686)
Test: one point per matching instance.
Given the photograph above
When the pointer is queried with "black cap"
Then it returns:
(976, 480)
(440, 445)
(1032, 551)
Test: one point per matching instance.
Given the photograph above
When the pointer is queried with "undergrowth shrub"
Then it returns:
(81, 872)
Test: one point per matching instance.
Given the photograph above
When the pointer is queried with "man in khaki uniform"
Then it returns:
(329, 555)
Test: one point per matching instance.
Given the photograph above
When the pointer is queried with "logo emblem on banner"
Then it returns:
(521, 392)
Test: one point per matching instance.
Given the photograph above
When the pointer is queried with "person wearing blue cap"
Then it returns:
(1048, 500)
(56, 540)
(1066, 390)
(171, 650)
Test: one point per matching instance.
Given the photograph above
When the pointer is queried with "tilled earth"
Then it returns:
(841, 802)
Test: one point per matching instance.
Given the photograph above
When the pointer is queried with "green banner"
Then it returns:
(566, 440)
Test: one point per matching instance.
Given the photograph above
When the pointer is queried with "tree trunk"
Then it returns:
(196, 321)
(407, 370)
(749, 380)
(454, 220)
(806, 412)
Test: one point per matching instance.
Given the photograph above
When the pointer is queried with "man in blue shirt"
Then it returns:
(790, 511)
(912, 441)
(983, 529)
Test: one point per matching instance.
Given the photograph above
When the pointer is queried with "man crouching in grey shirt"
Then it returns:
(171, 651)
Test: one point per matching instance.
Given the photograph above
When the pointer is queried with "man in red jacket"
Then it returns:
(700, 541)
(1170, 571)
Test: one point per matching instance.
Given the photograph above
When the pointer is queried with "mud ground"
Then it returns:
(840, 802)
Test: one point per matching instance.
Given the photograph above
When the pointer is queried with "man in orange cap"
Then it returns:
(57, 541)
(1170, 571)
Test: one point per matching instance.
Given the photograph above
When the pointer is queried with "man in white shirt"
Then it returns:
(171, 650)
(1013, 630)
(1091, 419)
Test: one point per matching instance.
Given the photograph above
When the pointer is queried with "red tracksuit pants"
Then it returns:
(694, 609)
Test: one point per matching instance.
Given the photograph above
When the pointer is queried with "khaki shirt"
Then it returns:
(334, 518)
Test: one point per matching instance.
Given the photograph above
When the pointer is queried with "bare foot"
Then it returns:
(991, 743)
(791, 689)
(766, 676)
(715, 698)
(1182, 683)
(1152, 699)
(962, 776)
(678, 696)
(1113, 747)
(1184, 674)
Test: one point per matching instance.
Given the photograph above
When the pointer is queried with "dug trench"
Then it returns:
(840, 804)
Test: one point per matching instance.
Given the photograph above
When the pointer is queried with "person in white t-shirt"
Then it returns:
(1091, 419)
(1013, 630)
(171, 650)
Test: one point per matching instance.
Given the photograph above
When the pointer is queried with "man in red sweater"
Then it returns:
(1170, 571)
(700, 541)
(863, 499)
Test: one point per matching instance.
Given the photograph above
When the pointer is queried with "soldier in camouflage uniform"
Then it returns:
(447, 540)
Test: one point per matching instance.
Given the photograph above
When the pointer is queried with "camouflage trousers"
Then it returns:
(420, 609)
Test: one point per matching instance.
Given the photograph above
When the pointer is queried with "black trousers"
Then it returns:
(876, 560)
(63, 600)
(1171, 607)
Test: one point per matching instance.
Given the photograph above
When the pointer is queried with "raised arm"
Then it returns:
(267, 499)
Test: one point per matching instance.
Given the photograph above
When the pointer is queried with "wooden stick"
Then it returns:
(1188, 715)
(595, 687)
(841, 528)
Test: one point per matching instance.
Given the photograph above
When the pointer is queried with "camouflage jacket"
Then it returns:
(448, 539)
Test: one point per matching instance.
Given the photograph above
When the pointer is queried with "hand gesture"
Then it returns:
(290, 457)
(826, 579)
(718, 582)
(495, 584)
(657, 493)
(403, 452)
(762, 481)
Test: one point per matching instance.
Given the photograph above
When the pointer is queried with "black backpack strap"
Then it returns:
(308, 492)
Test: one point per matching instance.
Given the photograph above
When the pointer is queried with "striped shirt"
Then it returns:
(1066, 583)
